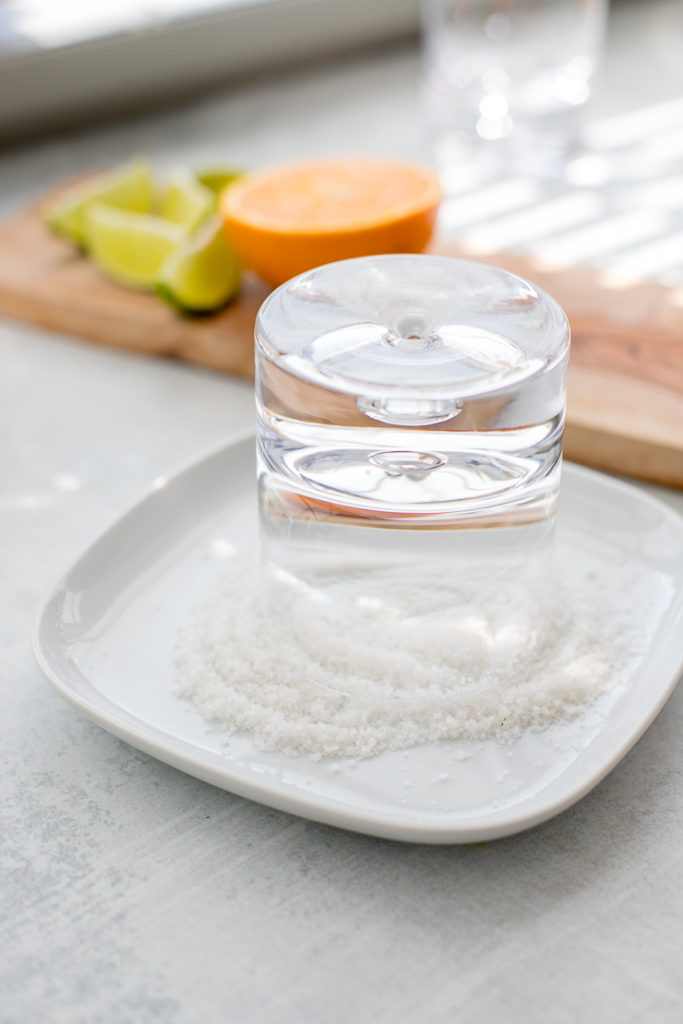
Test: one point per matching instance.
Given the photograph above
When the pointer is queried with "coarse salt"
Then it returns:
(398, 659)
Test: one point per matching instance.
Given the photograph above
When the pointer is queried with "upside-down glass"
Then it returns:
(504, 82)
(409, 408)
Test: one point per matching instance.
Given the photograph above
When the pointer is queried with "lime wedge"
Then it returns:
(127, 188)
(187, 202)
(130, 247)
(216, 178)
(203, 273)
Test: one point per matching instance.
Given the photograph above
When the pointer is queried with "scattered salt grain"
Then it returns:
(411, 660)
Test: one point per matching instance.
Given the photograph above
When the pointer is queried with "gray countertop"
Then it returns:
(135, 893)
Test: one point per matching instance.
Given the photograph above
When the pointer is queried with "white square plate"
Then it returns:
(106, 633)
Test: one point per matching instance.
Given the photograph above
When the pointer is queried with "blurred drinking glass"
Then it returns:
(504, 82)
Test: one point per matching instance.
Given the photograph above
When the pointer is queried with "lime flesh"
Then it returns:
(216, 178)
(130, 247)
(187, 202)
(127, 188)
(202, 274)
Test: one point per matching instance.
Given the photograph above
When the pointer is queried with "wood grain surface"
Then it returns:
(625, 400)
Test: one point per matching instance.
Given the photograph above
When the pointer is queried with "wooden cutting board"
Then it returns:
(625, 402)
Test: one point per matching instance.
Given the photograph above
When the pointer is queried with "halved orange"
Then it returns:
(287, 219)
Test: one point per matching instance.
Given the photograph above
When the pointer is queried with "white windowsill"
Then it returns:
(165, 58)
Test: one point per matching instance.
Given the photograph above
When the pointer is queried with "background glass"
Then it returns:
(504, 81)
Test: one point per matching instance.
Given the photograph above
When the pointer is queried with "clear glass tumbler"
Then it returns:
(504, 81)
(408, 408)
